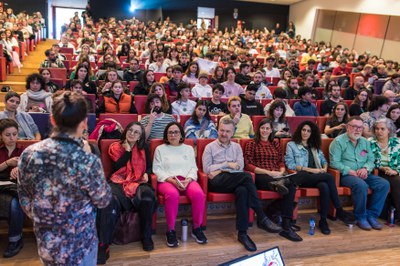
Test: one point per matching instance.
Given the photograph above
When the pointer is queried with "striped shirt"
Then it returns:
(159, 124)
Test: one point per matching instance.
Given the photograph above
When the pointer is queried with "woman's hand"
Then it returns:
(186, 182)
(126, 146)
(145, 178)
(14, 173)
(173, 181)
(86, 146)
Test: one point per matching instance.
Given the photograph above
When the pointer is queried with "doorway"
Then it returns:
(61, 16)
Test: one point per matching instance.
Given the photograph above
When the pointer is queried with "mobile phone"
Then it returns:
(179, 183)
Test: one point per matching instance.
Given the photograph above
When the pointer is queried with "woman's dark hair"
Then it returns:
(87, 74)
(165, 137)
(314, 141)
(144, 78)
(11, 94)
(391, 108)
(68, 110)
(333, 116)
(215, 73)
(357, 100)
(274, 105)
(257, 135)
(181, 86)
(7, 123)
(149, 99)
(377, 102)
(206, 115)
(34, 77)
(141, 141)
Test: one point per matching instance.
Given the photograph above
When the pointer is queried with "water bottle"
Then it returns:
(392, 209)
(311, 231)
(184, 224)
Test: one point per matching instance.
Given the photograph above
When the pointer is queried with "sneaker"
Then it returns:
(345, 217)
(199, 236)
(172, 241)
(374, 223)
(13, 248)
(364, 225)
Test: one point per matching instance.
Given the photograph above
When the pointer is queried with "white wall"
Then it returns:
(303, 13)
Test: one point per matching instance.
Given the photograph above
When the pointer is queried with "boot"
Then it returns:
(287, 231)
(279, 186)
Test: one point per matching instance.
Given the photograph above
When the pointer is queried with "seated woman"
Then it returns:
(394, 114)
(336, 123)
(178, 177)
(276, 114)
(200, 125)
(360, 103)
(304, 155)
(130, 187)
(27, 129)
(385, 147)
(377, 109)
(117, 102)
(35, 99)
(10, 207)
(105, 87)
(183, 105)
(159, 89)
(50, 86)
(264, 157)
(83, 61)
(82, 74)
(144, 85)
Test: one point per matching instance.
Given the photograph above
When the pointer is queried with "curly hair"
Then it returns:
(35, 77)
(314, 141)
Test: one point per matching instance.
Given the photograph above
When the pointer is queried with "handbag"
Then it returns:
(128, 228)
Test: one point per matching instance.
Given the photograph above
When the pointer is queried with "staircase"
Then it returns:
(17, 80)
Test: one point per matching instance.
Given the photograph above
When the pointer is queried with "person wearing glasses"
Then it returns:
(176, 170)
(351, 154)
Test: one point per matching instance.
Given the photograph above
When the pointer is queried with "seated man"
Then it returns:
(305, 107)
(350, 93)
(342, 74)
(51, 60)
(133, 73)
(327, 105)
(249, 104)
(215, 106)
(223, 163)
(262, 90)
(155, 123)
(243, 123)
(159, 66)
(243, 77)
(351, 154)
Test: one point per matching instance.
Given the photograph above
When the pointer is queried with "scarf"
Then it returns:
(129, 176)
(38, 95)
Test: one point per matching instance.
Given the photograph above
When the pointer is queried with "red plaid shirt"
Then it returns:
(266, 155)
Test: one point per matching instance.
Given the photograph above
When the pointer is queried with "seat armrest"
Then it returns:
(203, 181)
(154, 182)
(336, 175)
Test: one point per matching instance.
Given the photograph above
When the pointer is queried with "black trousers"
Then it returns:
(286, 204)
(144, 203)
(246, 195)
(394, 193)
(325, 182)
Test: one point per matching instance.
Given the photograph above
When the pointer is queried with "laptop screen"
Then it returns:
(269, 257)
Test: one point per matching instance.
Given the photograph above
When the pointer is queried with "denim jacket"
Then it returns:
(297, 155)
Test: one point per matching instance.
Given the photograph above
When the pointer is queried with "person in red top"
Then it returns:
(264, 157)
(342, 74)
(117, 101)
(9, 204)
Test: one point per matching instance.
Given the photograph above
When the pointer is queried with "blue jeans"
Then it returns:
(359, 192)
(16, 221)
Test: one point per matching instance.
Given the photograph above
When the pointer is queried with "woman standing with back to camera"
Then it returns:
(60, 185)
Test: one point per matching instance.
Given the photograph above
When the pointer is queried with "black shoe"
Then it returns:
(148, 244)
(199, 236)
(324, 227)
(279, 186)
(344, 216)
(267, 225)
(295, 227)
(290, 235)
(103, 253)
(247, 242)
(172, 241)
(13, 248)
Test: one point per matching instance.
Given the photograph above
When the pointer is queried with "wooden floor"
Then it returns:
(345, 246)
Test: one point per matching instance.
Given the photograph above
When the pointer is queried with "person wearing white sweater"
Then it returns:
(176, 170)
(202, 89)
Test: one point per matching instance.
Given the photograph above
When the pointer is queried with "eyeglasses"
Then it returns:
(177, 132)
(134, 132)
(356, 127)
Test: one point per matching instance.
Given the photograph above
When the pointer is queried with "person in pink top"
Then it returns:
(231, 87)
